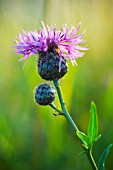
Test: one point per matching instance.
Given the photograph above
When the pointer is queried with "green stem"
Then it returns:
(70, 120)
(91, 160)
(66, 114)
(57, 110)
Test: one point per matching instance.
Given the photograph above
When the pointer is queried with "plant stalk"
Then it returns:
(70, 120)
(91, 160)
(66, 114)
(57, 110)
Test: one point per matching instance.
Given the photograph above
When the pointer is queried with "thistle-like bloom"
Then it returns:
(65, 41)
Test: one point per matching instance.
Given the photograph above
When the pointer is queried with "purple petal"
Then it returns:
(67, 40)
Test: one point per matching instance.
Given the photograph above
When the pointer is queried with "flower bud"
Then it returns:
(44, 94)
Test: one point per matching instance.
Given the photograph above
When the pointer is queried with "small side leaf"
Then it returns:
(97, 138)
(82, 137)
(82, 153)
(85, 146)
(93, 124)
(101, 164)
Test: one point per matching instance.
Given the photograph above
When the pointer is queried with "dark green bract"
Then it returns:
(44, 94)
(48, 66)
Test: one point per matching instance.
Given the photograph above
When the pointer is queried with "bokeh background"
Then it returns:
(31, 138)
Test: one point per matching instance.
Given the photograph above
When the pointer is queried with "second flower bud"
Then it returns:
(44, 94)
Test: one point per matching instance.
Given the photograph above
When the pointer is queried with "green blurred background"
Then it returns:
(31, 138)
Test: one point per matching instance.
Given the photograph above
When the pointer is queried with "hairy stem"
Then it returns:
(70, 120)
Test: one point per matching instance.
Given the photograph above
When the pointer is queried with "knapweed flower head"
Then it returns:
(66, 41)
(53, 46)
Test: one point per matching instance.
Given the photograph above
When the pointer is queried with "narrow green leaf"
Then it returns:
(83, 137)
(93, 124)
(85, 146)
(101, 164)
(97, 138)
(82, 153)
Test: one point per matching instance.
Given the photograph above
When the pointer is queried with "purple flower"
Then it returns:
(65, 40)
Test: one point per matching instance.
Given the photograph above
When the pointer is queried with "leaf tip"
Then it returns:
(103, 157)
(93, 103)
